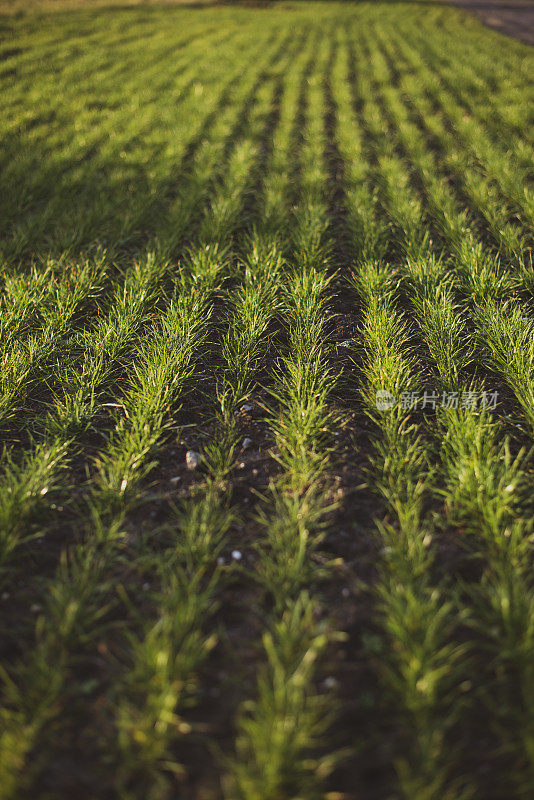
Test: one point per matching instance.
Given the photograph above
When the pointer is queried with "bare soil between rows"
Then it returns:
(515, 18)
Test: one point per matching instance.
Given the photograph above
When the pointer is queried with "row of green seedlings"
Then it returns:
(503, 106)
(121, 462)
(98, 59)
(503, 111)
(512, 64)
(112, 74)
(505, 158)
(505, 333)
(247, 107)
(205, 112)
(491, 480)
(482, 189)
(390, 165)
(447, 338)
(161, 367)
(420, 664)
(27, 364)
(485, 491)
(506, 339)
(105, 347)
(79, 592)
(152, 697)
(447, 103)
(28, 299)
(384, 112)
(480, 277)
(499, 298)
(444, 331)
(73, 226)
(27, 354)
(367, 230)
(30, 484)
(159, 682)
(453, 223)
(280, 731)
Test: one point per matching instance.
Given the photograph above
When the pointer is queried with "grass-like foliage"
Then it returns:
(266, 402)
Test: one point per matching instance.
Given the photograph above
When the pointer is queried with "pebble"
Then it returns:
(330, 682)
(236, 555)
(192, 459)
(146, 587)
(345, 592)
(220, 561)
(35, 608)
(247, 407)
(175, 480)
(247, 443)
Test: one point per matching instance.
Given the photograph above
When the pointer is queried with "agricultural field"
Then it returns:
(266, 403)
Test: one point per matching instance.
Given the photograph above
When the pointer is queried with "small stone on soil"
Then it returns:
(192, 459)
(330, 682)
(236, 555)
(247, 443)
